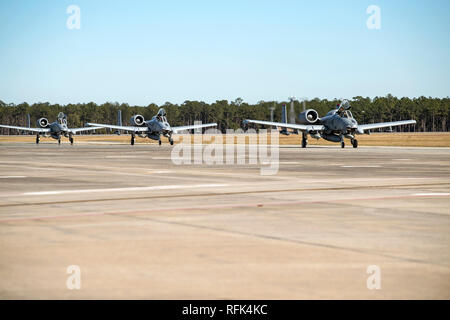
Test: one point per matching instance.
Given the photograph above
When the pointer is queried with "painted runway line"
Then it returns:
(12, 177)
(290, 162)
(169, 187)
(159, 171)
(121, 157)
(374, 166)
(429, 194)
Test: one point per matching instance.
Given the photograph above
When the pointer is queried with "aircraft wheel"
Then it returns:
(171, 142)
(71, 140)
(304, 143)
(342, 144)
(355, 143)
(37, 139)
(59, 140)
(132, 141)
(159, 142)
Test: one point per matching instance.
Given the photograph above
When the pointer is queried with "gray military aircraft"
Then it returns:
(55, 129)
(335, 126)
(152, 129)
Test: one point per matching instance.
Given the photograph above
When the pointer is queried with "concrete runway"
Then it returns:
(139, 226)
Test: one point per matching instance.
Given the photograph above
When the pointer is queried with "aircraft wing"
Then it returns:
(27, 129)
(194, 126)
(125, 128)
(362, 127)
(301, 127)
(76, 130)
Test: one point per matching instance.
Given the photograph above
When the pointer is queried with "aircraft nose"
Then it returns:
(165, 127)
(351, 124)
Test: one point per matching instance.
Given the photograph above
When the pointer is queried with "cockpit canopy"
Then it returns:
(162, 112)
(62, 118)
(161, 116)
(344, 109)
(347, 114)
(345, 104)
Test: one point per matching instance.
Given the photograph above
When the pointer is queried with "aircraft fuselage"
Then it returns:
(58, 129)
(157, 128)
(339, 125)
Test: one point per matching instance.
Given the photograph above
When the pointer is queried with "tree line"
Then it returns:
(431, 114)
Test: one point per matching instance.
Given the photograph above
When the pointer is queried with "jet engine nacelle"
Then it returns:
(309, 116)
(137, 120)
(42, 122)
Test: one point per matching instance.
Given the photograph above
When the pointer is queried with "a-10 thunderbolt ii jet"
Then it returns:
(335, 126)
(55, 129)
(152, 129)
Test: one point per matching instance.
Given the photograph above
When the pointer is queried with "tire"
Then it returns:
(59, 140)
(171, 142)
(304, 143)
(355, 143)
(159, 142)
(132, 141)
(37, 139)
(342, 144)
(71, 141)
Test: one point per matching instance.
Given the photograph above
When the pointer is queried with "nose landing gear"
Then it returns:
(342, 141)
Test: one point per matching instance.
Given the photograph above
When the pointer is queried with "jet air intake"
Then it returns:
(42, 122)
(137, 120)
(309, 116)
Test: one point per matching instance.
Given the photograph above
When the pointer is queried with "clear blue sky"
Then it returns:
(155, 51)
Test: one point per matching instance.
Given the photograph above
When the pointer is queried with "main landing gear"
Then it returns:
(159, 141)
(38, 138)
(133, 138)
(304, 141)
(71, 139)
(59, 139)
